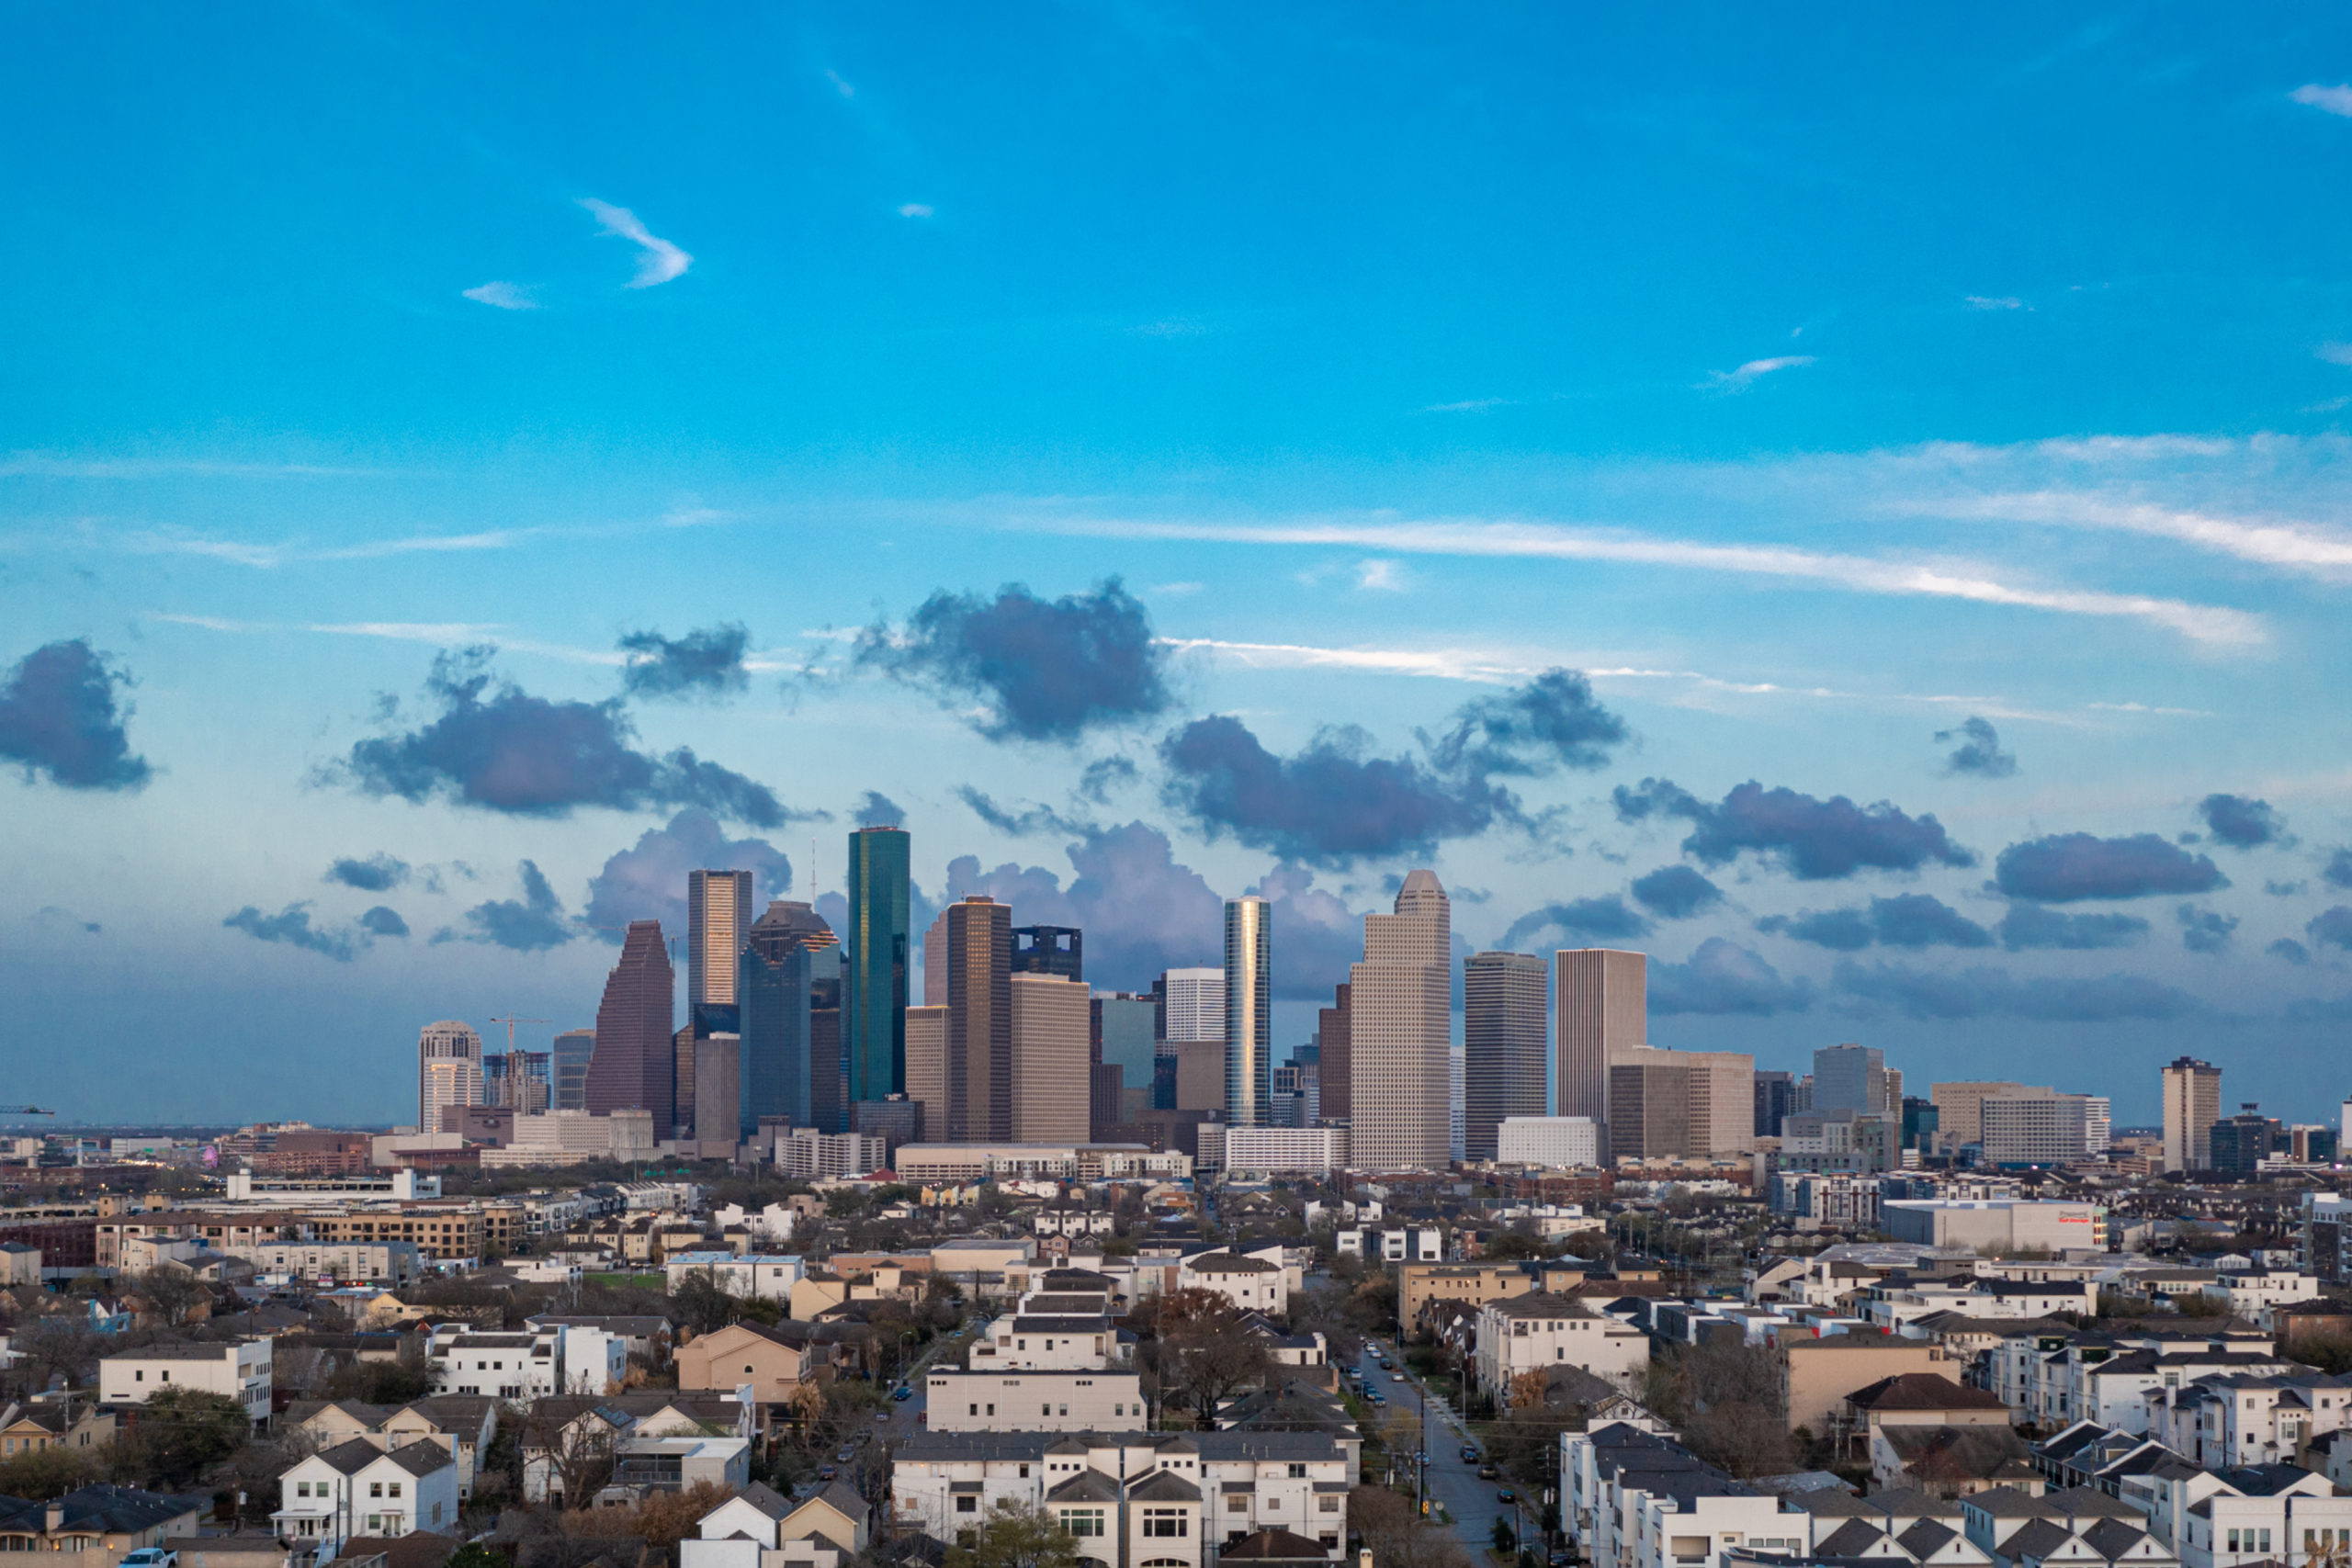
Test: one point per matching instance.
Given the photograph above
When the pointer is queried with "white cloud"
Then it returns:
(915, 209)
(1382, 575)
(661, 261)
(1993, 302)
(2335, 353)
(1747, 374)
(844, 88)
(1169, 329)
(504, 296)
(2303, 547)
(1975, 583)
(2334, 100)
(1470, 406)
(1173, 589)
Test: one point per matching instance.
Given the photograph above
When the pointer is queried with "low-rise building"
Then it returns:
(772, 1361)
(1822, 1374)
(644, 1464)
(1635, 1499)
(757, 1276)
(1251, 1284)
(1538, 1332)
(758, 1527)
(1033, 1401)
(101, 1523)
(59, 1424)
(2255, 1294)
(1559, 1142)
(532, 1364)
(356, 1488)
(240, 1371)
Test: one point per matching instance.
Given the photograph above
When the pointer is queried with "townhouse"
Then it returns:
(2230, 1419)
(356, 1488)
(1538, 1332)
(1012, 1400)
(240, 1371)
(758, 1527)
(2075, 1529)
(462, 1425)
(1634, 1499)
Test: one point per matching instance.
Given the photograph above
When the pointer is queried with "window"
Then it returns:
(1065, 1409)
(974, 1410)
(1048, 1409)
(2265, 1544)
(968, 1504)
(375, 1489)
(375, 1524)
(1171, 1523)
(1328, 1505)
(992, 1411)
(1083, 1521)
(1024, 1468)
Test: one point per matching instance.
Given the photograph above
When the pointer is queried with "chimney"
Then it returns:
(52, 1520)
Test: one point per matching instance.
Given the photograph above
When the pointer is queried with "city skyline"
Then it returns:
(1875, 549)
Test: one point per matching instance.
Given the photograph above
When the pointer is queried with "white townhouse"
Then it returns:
(758, 1527)
(527, 1365)
(1251, 1284)
(754, 1276)
(1050, 1333)
(356, 1488)
(240, 1371)
(1634, 1499)
(1539, 1331)
(1011, 1400)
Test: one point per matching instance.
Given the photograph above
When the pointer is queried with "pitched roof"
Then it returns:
(1273, 1546)
(1089, 1485)
(1164, 1486)
(1923, 1391)
(771, 1505)
(113, 1509)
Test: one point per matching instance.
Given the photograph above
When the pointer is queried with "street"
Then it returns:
(1451, 1480)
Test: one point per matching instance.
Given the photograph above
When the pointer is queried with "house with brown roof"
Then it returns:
(1821, 1374)
(774, 1360)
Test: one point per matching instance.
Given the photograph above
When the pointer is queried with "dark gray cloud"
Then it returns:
(62, 717)
(1552, 722)
(2031, 926)
(1331, 803)
(380, 873)
(2065, 868)
(2288, 949)
(1676, 893)
(1050, 670)
(1814, 840)
(647, 880)
(1995, 993)
(383, 920)
(1723, 977)
(1907, 920)
(2205, 931)
(1979, 751)
(705, 663)
(495, 746)
(531, 924)
(875, 809)
(1142, 911)
(57, 913)
(2322, 1009)
(1593, 920)
(292, 926)
(2287, 889)
(2331, 927)
(1033, 820)
(2241, 823)
(2337, 873)
(1104, 774)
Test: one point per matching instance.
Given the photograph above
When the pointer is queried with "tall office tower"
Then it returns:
(1333, 1036)
(1603, 1000)
(568, 1086)
(1049, 950)
(927, 1069)
(1959, 1116)
(934, 963)
(1193, 1004)
(1892, 1095)
(718, 1080)
(633, 1068)
(719, 909)
(2192, 1104)
(1502, 1045)
(828, 1100)
(776, 979)
(448, 1041)
(1680, 1104)
(1921, 1120)
(1049, 1091)
(2040, 1129)
(979, 1022)
(1122, 1028)
(1457, 1114)
(694, 1064)
(1773, 1092)
(1851, 1078)
(873, 981)
(1248, 1010)
(493, 1079)
(681, 1081)
(1399, 1025)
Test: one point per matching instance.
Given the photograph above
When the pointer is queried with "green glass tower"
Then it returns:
(874, 973)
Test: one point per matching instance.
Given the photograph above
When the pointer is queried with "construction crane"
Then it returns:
(509, 1022)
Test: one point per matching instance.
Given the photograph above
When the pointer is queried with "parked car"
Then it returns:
(152, 1557)
(1469, 1453)
(904, 1393)
(1489, 1472)
(1506, 1496)
(848, 1453)
(827, 1474)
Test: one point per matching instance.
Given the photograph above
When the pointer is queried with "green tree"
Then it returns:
(42, 1473)
(183, 1432)
(1016, 1536)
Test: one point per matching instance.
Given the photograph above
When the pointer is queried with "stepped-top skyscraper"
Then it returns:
(634, 1066)
(719, 909)
(873, 976)
(1400, 1030)
(1502, 1045)
(1248, 1010)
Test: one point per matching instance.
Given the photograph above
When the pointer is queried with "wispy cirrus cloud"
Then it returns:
(2213, 624)
(1993, 302)
(915, 209)
(2335, 101)
(504, 296)
(1755, 370)
(2305, 547)
(661, 261)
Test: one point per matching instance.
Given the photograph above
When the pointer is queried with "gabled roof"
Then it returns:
(1273, 1546)
(771, 1505)
(1923, 1391)
(1853, 1538)
(1926, 1538)
(2036, 1537)
(1086, 1486)
(2112, 1538)
(1164, 1486)
(94, 1508)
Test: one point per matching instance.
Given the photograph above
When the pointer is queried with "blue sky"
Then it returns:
(1809, 392)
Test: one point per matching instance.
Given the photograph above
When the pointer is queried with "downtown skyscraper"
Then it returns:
(634, 1066)
(719, 910)
(1502, 1045)
(1248, 1010)
(788, 953)
(1400, 1028)
(874, 972)
(978, 1047)
(1602, 998)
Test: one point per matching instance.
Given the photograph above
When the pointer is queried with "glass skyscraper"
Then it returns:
(776, 980)
(1248, 1010)
(874, 973)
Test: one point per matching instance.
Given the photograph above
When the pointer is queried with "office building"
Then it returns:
(718, 913)
(2238, 1145)
(1248, 1010)
(1775, 1098)
(1921, 1121)
(1455, 1116)
(695, 1061)
(516, 1080)
(1603, 997)
(1200, 1074)
(934, 962)
(873, 976)
(634, 1067)
(1548, 1141)
(979, 1022)
(568, 1086)
(1958, 1122)
(1191, 1004)
(1334, 1039)
(2192, 1104)
(2040, 1129)
(1122, 1025)
(1284, 1151)
(1048, 950)
(1854, 1077)
(449, 1070)
(927, 1067)
(1049, 1087)
(829, 1091)
(1502, 1045)
(1400, 1031)
(777, 976)
(1681, 1104)
(719, 1083)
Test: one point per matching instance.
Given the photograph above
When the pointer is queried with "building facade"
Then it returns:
(2192, 1104)
(1248, 1010)
(634, 1067)
(979, 1021)
(1048, 1083)
(874, 982)
(719, 918)
(1502, 1045)
(1548, 1140)
(1400, 1028)
(1603, 1000)
(449, 1070)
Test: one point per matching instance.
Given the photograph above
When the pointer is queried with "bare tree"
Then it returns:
(571, 1452)
(170, 1295)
